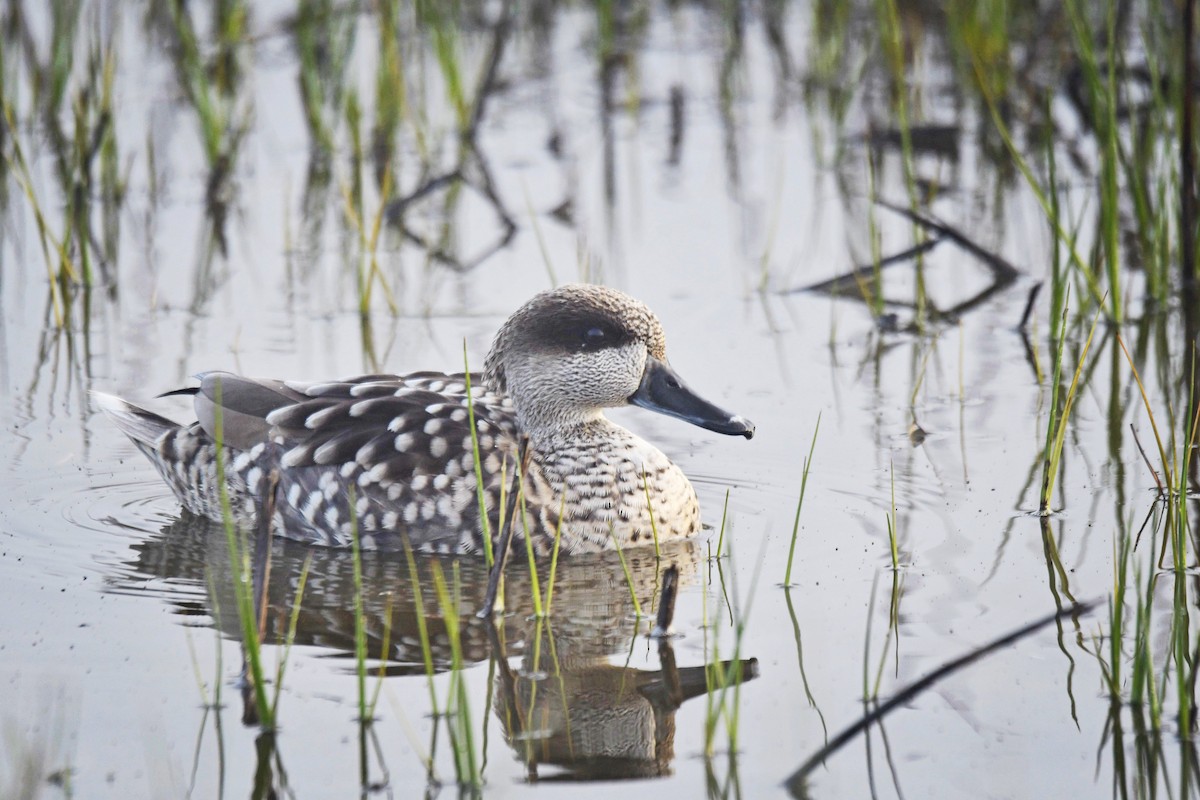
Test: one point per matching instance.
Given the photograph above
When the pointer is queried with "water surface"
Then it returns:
(708, 165)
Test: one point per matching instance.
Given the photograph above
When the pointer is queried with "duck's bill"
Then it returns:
(662, 390)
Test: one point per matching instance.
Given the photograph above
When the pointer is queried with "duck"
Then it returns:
(390, 461)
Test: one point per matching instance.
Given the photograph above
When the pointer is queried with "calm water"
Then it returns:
(705, 169)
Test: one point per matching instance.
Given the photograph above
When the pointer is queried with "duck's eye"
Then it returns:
(593, 337)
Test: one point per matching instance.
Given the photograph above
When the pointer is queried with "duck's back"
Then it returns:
(398, 447)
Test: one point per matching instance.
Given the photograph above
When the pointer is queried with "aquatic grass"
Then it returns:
(240, 569)
(368, 273)
(441, 24)
(787, 572)
(1176, 463)
(59, 267)
(211, 87)
(1102, 91)
(724, 519)
(535, 591)
(650, 512)
(1179, 659)
(79, 134)
(873, 293)
(324, 44)
(360, 628)
(290, 637)
(480, 497)
(870, 691)
(772, 233)
(391, 91)
(812, 701)
(466, 765)
(553, 574)
(1143, 692)
(384, 653)
(422, 622)
(1043, 196)
(1056, 427)
(893, 545)
(539, 238)
(637, 606)
(1111, 669)
(894, 50)
(723, 696)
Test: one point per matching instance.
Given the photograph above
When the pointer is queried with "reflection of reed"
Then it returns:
(470, 169)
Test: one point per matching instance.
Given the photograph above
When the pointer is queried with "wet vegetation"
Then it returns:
(933, 121)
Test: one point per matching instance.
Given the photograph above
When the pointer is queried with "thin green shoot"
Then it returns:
(891, 520)
(650, 511)
(466, 766)
(360, 628)
(724, 518)
(1158, 441)
(721, 679)
(18, 167)
(1048, 209)
(480, 497)
(912, 398)
(535, 589)
(534, 584)
(384, 650)
(242, 582)
(1102, 92)
(894, 49)
(440, 22)
(1060, 432)
(866, 675)
(541, 240)
(369, 272)
(293, 622)
(219, 655)
(422, 623)
(787, 573)
(554, 554)
(637, 606)
(893, 632)
(764, 261)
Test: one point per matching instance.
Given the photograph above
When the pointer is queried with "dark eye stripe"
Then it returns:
(584, 332)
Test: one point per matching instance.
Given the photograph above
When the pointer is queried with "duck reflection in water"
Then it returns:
(599, 721)
(564, 705)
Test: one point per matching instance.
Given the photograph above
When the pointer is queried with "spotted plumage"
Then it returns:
(389, 456)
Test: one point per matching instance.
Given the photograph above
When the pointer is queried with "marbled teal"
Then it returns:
(391, 456)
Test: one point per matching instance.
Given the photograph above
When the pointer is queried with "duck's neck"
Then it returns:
(554, 432)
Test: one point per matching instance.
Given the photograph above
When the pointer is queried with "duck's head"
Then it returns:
(573, 351)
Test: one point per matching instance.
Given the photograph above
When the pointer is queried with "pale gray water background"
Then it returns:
(99, 664)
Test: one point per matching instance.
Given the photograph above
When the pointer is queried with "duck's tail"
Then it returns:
(143, 427)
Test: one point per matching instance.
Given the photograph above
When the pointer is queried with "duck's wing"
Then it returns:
(397, 425)
(233, 409)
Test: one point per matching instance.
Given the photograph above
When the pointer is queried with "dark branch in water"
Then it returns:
(795, 783)
(848, 283)
(1028, 312)
(1004, 272)
(469, 155)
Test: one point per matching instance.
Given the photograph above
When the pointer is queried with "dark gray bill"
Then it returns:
(664, 391)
